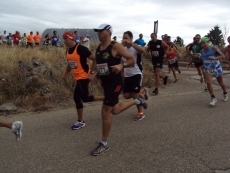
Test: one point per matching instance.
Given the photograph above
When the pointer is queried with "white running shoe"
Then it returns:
(17, 130)
(213, 101)
(225, 97)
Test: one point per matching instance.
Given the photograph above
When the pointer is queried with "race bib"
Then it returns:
(55, 39)
(103, 69)
(155, 53)
(72, 64)
(17, 39)
(212, 71)
(172, 61)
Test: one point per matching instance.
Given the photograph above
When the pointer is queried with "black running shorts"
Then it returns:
(132, 84)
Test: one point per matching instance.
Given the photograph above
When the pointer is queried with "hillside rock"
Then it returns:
(8, 107)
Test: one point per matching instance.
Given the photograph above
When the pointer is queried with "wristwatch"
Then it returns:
(124, 64)
(92, 72)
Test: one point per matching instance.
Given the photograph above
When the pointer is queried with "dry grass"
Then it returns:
(14, 87)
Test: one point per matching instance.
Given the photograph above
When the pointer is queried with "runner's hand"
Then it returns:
(126, 42)
(212, 58)
(92, 77)
(117, 68)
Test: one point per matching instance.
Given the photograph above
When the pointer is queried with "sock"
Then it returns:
(104, 143)
(225, 93)
(137, 101)
(13, 127)
(79, 120)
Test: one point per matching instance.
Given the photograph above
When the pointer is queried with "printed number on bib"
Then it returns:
(172, 61)
(55, 39)
(72, 64)
(155, 53)
(212, 71)
(103, 69)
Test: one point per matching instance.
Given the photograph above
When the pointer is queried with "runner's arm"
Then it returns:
(138, 48)
(218, 52)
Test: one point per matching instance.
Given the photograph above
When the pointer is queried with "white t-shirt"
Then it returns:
(3, 36)
(131, 71)
(86, 42)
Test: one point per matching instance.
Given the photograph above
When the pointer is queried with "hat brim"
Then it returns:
(97, 30)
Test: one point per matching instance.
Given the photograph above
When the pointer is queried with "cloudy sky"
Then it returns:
(176, 17)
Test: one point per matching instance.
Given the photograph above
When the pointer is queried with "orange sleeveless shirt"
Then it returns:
(74, 63)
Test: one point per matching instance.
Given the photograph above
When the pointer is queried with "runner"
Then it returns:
(172, 60)
(212, 68)
(133, 75)
(55, 38)
(37, 38)
(227, 51)
(109, 67)
(194, 51)
(77, 63)
(188, 53)
(140, 41)
(157, 48)
(47, 40)
(30, 40)
(3, 37)
(16, 38)
(24, 40)
(16, 127)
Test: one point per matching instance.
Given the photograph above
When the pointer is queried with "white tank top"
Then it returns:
(134, 70)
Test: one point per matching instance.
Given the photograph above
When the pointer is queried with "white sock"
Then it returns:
(13, 127)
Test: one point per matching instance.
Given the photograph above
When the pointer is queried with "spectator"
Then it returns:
(54, 38)
(30, 40)
(16, 38)
(77, 37)
(37, 38)
(86, 41)
(115, 39)
(140, 41)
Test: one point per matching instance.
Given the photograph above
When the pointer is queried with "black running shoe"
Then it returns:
(100, 149)
(165, 80)
(155, 91)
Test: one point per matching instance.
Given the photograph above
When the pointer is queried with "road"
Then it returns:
(180, 134)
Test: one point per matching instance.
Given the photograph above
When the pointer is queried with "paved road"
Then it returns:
(180, 134)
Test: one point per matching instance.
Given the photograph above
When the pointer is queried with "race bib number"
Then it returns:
(72, 64)
(212, 71)
(103, 69)
(55, 39)
(172, 61)
(155, 53)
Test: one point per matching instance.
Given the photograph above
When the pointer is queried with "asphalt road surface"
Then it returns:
(181, 133)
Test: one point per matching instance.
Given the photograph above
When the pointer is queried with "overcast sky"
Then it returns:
(176, 17)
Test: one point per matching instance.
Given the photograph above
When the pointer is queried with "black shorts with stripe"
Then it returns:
(112, 90)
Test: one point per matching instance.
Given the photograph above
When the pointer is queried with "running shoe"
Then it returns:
(78, 125)
(205, 88)
(155, 91)
(100, 149)
(146, 93)
(175, 81)
(165, 80)
(201, 80)
(139, 116)
(225, 97)
(213, 101)
(17, 130)
(142, 102)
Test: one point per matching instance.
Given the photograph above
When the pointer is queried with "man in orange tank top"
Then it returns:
(77, 64)
(37, 38)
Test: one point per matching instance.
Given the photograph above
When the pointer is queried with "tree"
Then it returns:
(179, 41)
(216, 37)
